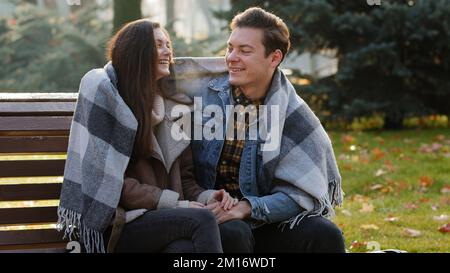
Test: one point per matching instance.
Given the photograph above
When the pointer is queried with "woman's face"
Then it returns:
(164, 49)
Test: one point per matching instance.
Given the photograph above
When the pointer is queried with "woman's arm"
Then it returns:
(136, 195)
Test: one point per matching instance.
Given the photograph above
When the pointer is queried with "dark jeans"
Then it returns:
(313, 234)
(172, 230)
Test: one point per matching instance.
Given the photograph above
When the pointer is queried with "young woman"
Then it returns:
(128, 185)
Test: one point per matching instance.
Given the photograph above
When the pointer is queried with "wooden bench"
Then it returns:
(32, 124)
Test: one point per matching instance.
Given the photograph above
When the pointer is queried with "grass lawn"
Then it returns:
(397, 189)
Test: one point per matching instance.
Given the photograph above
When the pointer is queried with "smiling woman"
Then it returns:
(128, 186)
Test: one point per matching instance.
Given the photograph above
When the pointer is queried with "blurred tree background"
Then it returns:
(125, 11)
(394, 59)
(42, 51)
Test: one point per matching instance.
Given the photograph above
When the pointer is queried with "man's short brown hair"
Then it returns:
(276, 34)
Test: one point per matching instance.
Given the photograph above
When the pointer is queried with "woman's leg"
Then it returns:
(179, 246)
(155, 230)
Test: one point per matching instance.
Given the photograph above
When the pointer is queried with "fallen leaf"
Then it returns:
(408, 140)
(439, 138)
(369, 227)
(391, 219)
(409, 232)
(359, 198)
(425, 181)
(411, 206)
(440, 218)
(347, 139)
(387, 189)
(346, 212)
(445, 189)
(388, 165)
(376, 187)
(377, 153)
(358, 245)
(445, 228)
(366, 208)
(380, 172)
(364, 157)
(342, 157)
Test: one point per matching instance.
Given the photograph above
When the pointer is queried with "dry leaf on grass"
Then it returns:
(440, 218)
(409, 232)
(445, 228)
(391, 219)
(369, 227)
(366, 208)
(445, 189)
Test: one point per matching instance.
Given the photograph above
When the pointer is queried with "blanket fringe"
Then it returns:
(70, 221)
(324, 208)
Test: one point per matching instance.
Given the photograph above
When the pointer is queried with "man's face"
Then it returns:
(248, 66)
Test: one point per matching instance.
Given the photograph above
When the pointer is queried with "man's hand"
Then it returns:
(241, 210)
(222, 196)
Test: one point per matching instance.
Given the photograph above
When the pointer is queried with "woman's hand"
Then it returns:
(196, 205)
(226, 201)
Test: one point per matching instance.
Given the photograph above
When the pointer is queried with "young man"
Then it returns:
(294, 184)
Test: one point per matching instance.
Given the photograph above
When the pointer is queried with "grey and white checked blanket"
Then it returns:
(100, 145)
(303, 165)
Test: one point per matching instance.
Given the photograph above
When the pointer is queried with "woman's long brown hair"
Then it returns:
(134, 56)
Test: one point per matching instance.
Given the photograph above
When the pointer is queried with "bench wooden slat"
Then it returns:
(14, 216)
(24, 168)
(36, 236)
(24, 124)
(37, 97)
(37, 108)
(33, 144)
(36, 248)
(23, 192)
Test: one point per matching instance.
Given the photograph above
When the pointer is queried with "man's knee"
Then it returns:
(327, 236)
(236, 236)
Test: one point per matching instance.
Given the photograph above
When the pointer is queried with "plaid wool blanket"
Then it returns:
(303, 164)
(100, 145)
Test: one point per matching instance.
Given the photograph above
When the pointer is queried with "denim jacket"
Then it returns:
(214, 88)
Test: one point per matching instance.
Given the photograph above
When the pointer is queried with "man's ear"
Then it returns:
(275, 58)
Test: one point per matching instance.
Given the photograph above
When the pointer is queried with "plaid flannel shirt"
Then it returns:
(229, 162)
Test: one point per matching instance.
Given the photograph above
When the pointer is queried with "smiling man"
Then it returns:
(284, 194)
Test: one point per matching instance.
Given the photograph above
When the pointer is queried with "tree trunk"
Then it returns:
(126, 11)
(170, 15)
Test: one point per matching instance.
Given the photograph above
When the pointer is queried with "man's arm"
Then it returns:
(268, 209)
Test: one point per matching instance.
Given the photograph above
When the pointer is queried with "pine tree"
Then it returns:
(394, 58)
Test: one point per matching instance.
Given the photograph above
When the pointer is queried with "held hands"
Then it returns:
(223, 198)
(241, 210)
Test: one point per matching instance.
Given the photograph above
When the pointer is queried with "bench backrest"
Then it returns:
(32, 124)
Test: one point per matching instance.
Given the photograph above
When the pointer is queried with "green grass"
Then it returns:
(388, 174)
